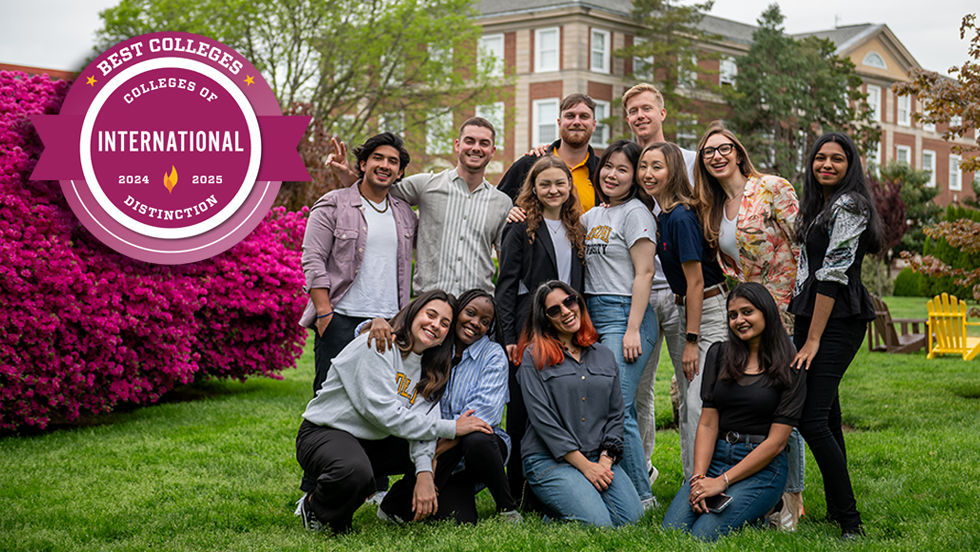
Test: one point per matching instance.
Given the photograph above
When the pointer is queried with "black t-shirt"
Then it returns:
(750, 404)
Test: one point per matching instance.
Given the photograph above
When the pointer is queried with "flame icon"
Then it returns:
(170, 180)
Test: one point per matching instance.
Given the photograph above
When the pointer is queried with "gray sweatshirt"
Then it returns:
(372, 396)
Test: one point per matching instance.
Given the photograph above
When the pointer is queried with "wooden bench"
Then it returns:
(947, 328)
(885, 338)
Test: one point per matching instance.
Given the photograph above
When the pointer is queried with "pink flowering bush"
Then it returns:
(83, 328)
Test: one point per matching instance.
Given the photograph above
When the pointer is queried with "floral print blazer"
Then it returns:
(768, 254)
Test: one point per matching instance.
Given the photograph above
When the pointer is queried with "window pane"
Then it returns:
(600, 138)
(495, 114)
(491, 53)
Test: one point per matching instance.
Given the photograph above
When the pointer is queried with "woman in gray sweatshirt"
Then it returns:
(377, 414)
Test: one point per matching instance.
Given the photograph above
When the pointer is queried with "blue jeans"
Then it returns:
(797, 462)
(610, 314)
(563, 489)
(753, 497)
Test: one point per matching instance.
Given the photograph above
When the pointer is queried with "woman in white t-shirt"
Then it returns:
(619, 252)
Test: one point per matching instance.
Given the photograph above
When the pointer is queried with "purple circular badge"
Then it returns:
(170, 147)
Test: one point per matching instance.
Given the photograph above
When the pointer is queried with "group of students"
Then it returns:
(567, 334)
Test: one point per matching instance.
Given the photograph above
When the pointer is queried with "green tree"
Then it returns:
(355, 65)
(669, 49)
(920, 210)
(789, 92)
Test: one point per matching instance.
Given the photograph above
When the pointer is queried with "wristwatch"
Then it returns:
(692, 337)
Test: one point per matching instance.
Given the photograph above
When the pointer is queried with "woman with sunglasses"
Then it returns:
(546, 245)
(748, 218)
(575, 407)
(837, 226)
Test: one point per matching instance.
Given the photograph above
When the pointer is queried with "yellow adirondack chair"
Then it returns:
(947, 328)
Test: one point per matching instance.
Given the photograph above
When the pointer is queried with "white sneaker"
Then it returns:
(512, 516)
(388, 519)
(376, 498)
(650, 503)
(299, 505)
(653, 473)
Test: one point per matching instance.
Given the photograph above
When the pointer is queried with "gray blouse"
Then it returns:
(573, 405)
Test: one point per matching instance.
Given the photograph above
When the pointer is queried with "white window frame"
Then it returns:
(495, 114)
(601, 136)
(603, 54)
(642, 66)
(907, 150)
(955, 120)
(874, 92)
(874, 158)
(438, 127)
(874, 59)
(929, 165)
(491, 48)
(904, 111)
(955, 173)
(539, 51)
(544, 112)
(727, 71)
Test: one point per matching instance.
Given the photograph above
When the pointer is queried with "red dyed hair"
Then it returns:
(545, 347)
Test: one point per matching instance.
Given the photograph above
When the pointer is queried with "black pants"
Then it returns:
(483, 455)
(339, 470)
(516, 428)
(339, 333)
(820, 422)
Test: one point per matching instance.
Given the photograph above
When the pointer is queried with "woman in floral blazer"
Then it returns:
(749, 219)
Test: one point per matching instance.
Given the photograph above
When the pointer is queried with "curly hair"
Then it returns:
(528, 200)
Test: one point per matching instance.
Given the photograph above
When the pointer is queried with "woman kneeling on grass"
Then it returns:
(567, 376)
(751, 400)
(377, 414)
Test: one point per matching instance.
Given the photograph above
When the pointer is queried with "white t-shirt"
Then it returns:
(563, 249)
(374, 292)
(726, 239)
(609, 235)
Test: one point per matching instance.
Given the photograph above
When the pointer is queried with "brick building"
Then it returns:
(553, 48)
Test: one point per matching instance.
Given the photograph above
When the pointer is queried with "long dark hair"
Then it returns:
(709, 194)
(494, 332)
(776, 350)
(815, 212)
(631, 150)
(528, 200)
(435, 360)
(677, 188)
(539, 332)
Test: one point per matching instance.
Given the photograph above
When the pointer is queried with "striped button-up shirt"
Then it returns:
(457, 231)
(479, 382)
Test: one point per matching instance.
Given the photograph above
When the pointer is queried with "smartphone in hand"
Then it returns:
(717, 503)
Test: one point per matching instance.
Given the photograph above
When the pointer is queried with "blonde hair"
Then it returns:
(641, 88)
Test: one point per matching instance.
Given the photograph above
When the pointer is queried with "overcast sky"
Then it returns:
(59, 34)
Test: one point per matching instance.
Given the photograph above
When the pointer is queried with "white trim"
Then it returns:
(874, 101)
(491, 45)
(727, 71)
(603, 54)
(955, 173)
(907, 150)
(540, 54)
(904, 111)
(601, 136)
(544, 112)
(929, 165)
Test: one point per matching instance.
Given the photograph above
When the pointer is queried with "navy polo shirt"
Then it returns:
(680, 240)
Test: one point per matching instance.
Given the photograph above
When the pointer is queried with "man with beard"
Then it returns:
(357, 252)
(576, 123)
(461, 215)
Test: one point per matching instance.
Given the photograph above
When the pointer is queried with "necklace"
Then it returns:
(371, 203)
(554, 229)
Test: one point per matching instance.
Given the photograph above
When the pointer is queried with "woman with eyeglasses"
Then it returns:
(619, 267)
(574, 440)
(748, 219)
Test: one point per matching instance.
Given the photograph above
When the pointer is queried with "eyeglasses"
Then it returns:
(723, 149)
(554, 311)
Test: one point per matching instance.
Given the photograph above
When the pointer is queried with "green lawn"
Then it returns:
(214, 469)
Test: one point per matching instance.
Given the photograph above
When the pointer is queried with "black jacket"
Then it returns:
(513, 179)
(530, 263)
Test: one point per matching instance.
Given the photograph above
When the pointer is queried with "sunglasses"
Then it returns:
(723, 149)
(554, 311)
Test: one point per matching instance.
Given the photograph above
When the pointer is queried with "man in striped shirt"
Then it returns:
(461, 216)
